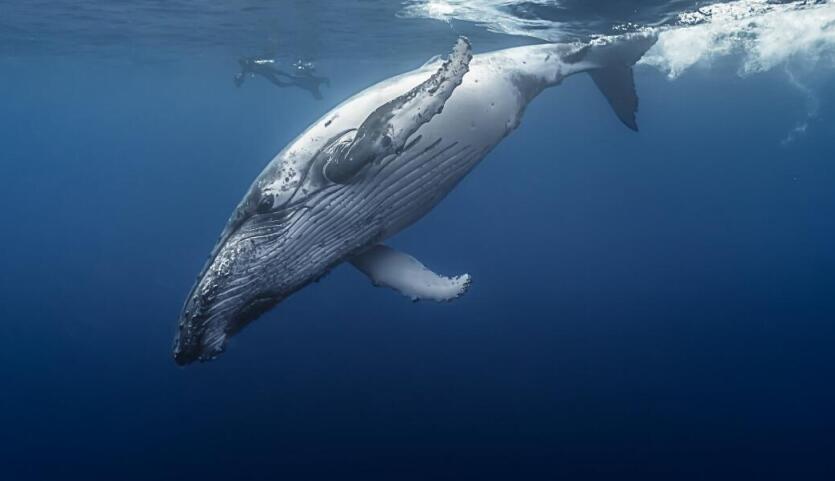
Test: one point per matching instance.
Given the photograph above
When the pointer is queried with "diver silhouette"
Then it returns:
(302, 75)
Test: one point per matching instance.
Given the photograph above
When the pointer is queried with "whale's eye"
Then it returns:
(265, 204)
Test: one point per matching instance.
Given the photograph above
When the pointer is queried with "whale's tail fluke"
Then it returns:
(609, 63)
(617, 83)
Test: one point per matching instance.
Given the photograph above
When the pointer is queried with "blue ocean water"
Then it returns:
(655, 305)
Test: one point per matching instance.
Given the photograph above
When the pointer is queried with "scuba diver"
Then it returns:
(301, 75)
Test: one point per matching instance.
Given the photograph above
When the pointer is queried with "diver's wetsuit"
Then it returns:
(302, 78)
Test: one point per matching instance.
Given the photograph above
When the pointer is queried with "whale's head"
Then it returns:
(234, 286)
(282, 236)
(261, 257)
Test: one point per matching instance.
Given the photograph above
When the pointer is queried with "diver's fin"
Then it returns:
(387, 267)
(610, 66)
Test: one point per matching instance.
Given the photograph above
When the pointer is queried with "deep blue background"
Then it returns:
(650, 306)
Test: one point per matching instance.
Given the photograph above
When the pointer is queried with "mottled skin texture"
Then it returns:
(295, 223)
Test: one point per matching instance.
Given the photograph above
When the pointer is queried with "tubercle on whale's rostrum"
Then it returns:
(388, 128)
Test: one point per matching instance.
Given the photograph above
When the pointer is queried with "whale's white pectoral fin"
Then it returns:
(387, 267)
(387, 130)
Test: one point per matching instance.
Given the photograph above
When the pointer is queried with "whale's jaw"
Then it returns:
(202, 338)
(241, 281)
(194, 343)
(261, 259)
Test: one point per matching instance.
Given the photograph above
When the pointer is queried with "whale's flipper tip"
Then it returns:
(387, 267)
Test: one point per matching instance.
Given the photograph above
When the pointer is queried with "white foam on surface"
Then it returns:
(755, 35)
(762, 34)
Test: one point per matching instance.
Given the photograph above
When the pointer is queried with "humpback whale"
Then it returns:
(373, 166)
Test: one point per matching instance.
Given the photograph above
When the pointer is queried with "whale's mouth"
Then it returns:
(236, 286)
(184, 355)
(210, 342)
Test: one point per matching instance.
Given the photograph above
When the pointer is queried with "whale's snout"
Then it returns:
(234, 289)
(185, 352)
(191, 328)
(217, 308)
(203, 325)
(248, 273)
